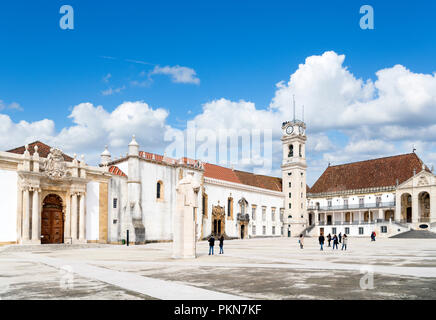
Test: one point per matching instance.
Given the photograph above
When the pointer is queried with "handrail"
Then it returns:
(374, 205)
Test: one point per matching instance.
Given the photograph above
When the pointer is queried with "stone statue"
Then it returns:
(184, 241)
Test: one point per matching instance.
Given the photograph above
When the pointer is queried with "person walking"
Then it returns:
(301, 241)
(211, 244)
(321, 240)
(222, 244)
(340, 237)
(344, 242)
(335, 242)
(373, 236)
(329, 239)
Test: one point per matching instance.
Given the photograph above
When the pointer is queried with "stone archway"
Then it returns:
(406, 207)
(424, 206)
(52, 220)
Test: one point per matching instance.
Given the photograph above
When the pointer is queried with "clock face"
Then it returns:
(301, 129)
(289, 130)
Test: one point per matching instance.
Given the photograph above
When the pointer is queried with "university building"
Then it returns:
(50, 197)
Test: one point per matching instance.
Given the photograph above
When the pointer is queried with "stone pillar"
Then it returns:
(35, 216)
(432, 206)
(380, 214)
(397, 214)
(415, 208)
(359, 213)
(82, 222)
(26, 214)
(74, 216)
(342, 217)
(333, 218)
(316, 217)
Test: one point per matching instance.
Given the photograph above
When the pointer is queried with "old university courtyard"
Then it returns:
(249, 269)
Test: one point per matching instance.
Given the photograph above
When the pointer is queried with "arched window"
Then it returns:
(299, 150)
(159, 190)
(291, 151)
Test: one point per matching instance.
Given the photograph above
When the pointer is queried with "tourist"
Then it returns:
(329, 239)
(335, 242)
(211, 244)
(344, 242)
(301, 241)
(373, 236)
(321, 241)
(221, 244)
(340, 237)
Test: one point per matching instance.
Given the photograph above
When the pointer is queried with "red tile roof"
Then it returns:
(117, 171)
(43, 150)
(376, 173)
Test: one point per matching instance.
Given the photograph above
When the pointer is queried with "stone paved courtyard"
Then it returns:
(249, 269)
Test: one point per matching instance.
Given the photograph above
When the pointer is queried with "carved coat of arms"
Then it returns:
(55, 167)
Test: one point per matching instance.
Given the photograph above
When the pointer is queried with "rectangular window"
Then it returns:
(329, 203)
(384, 229)
(290, 195)
(274, 230)
(334, 230)
(115, 203)
(378, 201)
(254, 230)
(360, 230)
(253, 213)
(281, 230)
(263, 213)
(290, 185)
(264, 230)
(361, 202)
(290, 205)
(273, 214)
(346, 203)
(282, 212)
(347, 230)
(229, 206)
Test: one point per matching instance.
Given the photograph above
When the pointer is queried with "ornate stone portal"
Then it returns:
(42, 180)
(218, 221)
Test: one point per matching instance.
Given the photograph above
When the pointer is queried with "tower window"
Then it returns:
(290, 195)
(290, 205)
(291, 151)
(115, 202)
(299, 150)
(290, 185)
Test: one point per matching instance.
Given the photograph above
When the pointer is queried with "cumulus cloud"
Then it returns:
(10, 106)
(178, 74)
(348, 118)
(111, 91)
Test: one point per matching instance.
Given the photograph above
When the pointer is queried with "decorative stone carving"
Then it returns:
(55, 167)
(423, 181)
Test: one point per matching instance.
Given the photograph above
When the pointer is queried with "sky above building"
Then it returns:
(149, 67)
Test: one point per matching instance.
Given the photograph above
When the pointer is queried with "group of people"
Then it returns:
(336, 240)
(212, 244)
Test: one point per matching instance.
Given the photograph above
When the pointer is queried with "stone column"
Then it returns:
(415, 208)
(74, 216)
(432, 206)
(397, 214)
(82, 222)
(35, 215)
(26, 214)
(380, 214)
(360, 216)
(316, 217)
(342, 217)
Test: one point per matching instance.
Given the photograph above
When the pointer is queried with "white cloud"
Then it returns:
(178, 74)
(107, 77)
(111, 91)
(11, 106)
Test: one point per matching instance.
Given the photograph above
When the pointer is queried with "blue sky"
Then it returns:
(238, 49)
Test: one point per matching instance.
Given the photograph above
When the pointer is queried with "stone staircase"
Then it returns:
(42, 248)
(415, 234)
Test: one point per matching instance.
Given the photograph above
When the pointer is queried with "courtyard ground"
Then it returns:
(249, 269)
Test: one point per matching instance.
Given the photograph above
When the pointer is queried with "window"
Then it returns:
(361, 202)
(115, 202)
(299, 150)
(360, 230)
(282, 230)
(384, 229)
(253, 212)
(301, 205)
(290, 185)
(282, 211)
(333, 230)
(329, 203)
(290, 205)
(263, 213)
(274, 230)
(378, 201)
(229, 206)
(273, 214)
(264, 230)
(345, 203)
(290, 194)
(159, 191)
(347, 230)
(291, 151)
(204, 204)
(254, 230)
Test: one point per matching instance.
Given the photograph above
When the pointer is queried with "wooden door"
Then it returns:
(52, 221)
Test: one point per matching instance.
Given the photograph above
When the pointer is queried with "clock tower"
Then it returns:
(294, 177)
